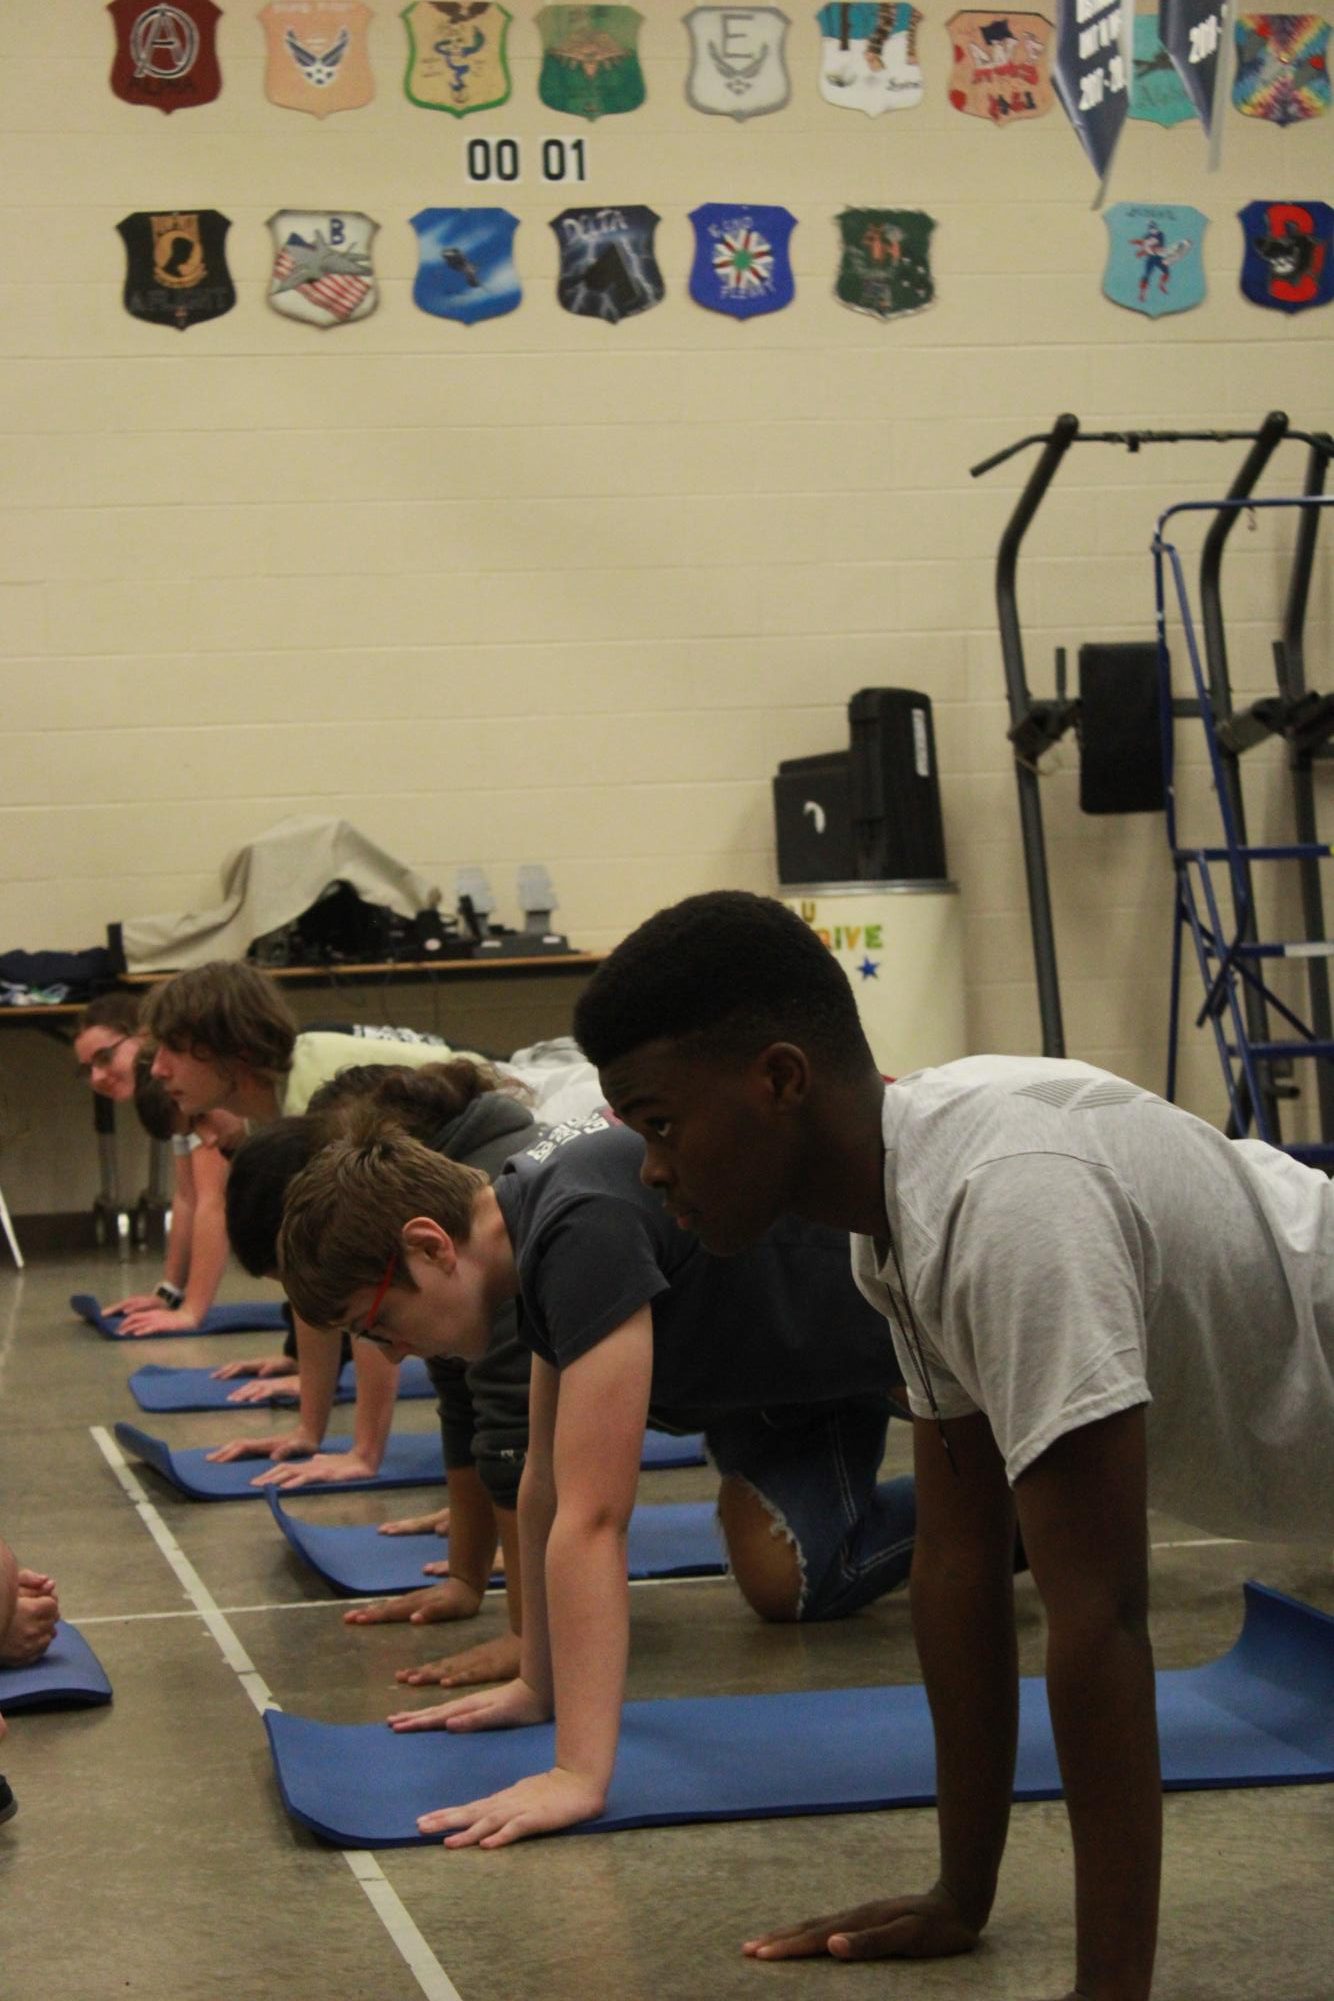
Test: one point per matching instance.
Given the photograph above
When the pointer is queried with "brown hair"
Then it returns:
(344, 1217)
(228, 1009)
(420, 1101)
(156, 1111)
(118, 1011)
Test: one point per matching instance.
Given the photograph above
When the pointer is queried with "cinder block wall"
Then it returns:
(543, 589)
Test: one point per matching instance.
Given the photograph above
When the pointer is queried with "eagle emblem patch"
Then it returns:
(317, 58)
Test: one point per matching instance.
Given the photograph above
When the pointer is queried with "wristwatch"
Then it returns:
(170, 1295)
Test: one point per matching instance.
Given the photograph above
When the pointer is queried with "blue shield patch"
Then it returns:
(742, 263)
(1289, 260)
(1155, 260)
(1191, 31)
(1157, 93)
(1090, 75)
(466, 263)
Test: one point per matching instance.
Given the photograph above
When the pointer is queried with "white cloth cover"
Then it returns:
(270, 882)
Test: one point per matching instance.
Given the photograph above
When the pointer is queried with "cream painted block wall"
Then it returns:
(547, 590)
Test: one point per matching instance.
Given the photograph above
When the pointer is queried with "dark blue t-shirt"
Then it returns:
(782, 1323)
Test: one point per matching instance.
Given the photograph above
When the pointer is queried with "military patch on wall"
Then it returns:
(1155, 257)
(1282, 67)
(176, 266)
(465, 268)
(317, 58)
(1191, 32)
(608, 270)
(1002, 65)
(737, 63)
(590, 60)
(322, 270)
(1090, 76)
(885, 269)
(742, 265)
(1157, 94)
(457, 60)
(1289, 254)
(868, 56)
(166, 56)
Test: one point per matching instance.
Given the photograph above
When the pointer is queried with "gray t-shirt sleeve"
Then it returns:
(593, 1266)
(1045, 1275)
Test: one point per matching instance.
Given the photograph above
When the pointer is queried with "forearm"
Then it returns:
(963, 1623)
(176, 1264)
(589, 1612)
(472, 1530)
(207, 1257)
(317, 1357)
(536, 1513)
(1100, 1688)
(507, 1521)
(377, 1394)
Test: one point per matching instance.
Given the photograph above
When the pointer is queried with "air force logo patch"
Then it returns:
(166, 56)
(737, 66)
(1002, 66)
(868, 56)
(317, 56)
(1155, 262)
(1289, 257)
(1282, 67)
(322, 270)
(176, 266)
(590, 60)
(742, 263)
(886, 264)
(607, 266)
(465, 265)
(456, 55)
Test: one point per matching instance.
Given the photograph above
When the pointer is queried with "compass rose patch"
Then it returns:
(176, 266)
(1155, 260)
(317, 59)
(1289, 258)
(466, 263)
(1282, 67)
(456, 55)
(737, 66)
(590, 60)
(742, 262)
(868, 56)
(322, 271)
(166, 56)
(886, 265)
(607, 267)
(1002, 66)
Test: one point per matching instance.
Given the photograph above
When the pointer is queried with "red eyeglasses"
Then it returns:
(367, 1331)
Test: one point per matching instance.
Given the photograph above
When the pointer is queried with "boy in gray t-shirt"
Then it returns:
(1094, 1296)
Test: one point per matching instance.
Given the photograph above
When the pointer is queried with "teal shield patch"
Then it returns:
(1155, 257)
(1157, 93)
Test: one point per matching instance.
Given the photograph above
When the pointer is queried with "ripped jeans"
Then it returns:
(815, 1467)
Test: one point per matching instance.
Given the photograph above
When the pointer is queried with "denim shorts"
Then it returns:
(816, 1467)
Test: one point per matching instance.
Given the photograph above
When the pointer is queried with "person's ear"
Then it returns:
(784, 1072)
(428, 1240)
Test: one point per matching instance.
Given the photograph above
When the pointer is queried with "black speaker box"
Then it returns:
(898, 832)
(813, 819)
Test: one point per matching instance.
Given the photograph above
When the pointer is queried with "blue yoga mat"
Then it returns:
(676, 1539)
(156, 1389)
(68, 1676)
(1263, 1715)
(411, 1459)
(257, 1316)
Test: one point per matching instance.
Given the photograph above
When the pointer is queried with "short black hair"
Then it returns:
(729, 972)
(262, 1168)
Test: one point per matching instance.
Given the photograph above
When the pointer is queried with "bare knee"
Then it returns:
(762, 1553)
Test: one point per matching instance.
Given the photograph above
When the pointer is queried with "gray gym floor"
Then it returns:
(151, 1857)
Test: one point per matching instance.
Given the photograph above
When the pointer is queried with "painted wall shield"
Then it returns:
(1002, 65)
(868, 56)
(1090, 76)
(886, 264)
(743, 264)
(1289, 257)
(738, 67)
(590, 60)
(166, 56)
(1282, 67)
(1191, 31)
(1157, 94)
(465, 267)
(176, 266)
(317, 56)
(1155, 257)
(457, 59)
(607, 267)
(322, 271)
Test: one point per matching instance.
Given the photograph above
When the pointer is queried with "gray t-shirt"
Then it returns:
(1073, 1246)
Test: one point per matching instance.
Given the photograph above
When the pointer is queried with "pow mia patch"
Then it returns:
(1289, 257)
(456, 55)
(868, 56)
(737, 66)
(742, 262)
(322, 270)
(1002, 66)
(608, 270)
(465, 267)
(317, 55)
(590, 60)
(886, 263)
(166, 56)
(176, 266)
(1282, 67)
(1155, 257)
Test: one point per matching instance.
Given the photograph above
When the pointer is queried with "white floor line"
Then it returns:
(1203, 1542)
(381, 1895)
